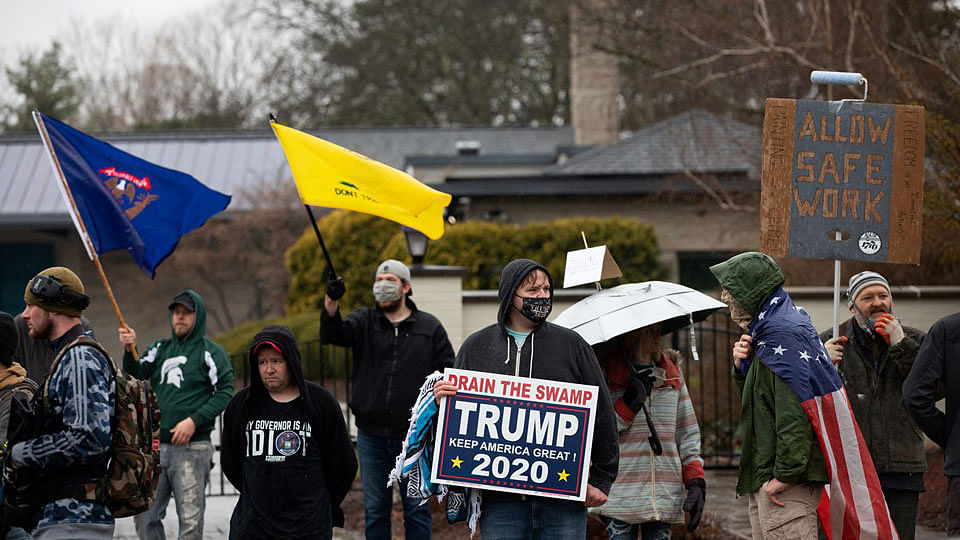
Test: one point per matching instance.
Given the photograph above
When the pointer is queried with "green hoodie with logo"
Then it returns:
(191, 376)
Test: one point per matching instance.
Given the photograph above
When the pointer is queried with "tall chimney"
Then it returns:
(594, 78)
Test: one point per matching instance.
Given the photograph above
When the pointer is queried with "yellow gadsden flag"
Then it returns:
(332, 176)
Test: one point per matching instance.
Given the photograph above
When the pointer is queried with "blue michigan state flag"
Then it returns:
(125, 202)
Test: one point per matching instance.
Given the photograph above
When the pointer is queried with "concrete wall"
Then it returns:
(683, 225)
(437, 290)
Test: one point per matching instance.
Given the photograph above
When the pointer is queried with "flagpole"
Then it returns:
(81, 228)
(323, 247)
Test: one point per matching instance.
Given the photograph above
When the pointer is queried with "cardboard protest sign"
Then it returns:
(515, 434)
(589, 266)
(845, 166)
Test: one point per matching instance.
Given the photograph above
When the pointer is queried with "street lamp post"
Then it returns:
(416, 244)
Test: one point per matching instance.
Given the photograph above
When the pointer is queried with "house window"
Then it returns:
(19, 263)
(693, 268)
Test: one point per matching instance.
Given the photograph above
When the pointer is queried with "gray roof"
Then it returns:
(232, 162)
(696, 141)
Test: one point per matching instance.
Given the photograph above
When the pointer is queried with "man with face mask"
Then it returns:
(395, 346)
(522, 343)
(874, 354)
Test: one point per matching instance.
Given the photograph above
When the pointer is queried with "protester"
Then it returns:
(285, 447)
(395, 346)
(523, 343)
(648, 494)
(69, 457)
(782, 467)
(36, 355)
(874, 354)
(16, 392)
(193, 379)
(934, 374)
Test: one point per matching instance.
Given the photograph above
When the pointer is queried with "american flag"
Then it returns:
(785, 340)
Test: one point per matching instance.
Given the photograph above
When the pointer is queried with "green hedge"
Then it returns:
(306, 327)
(358, 242)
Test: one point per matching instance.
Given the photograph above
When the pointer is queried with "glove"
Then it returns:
(693, 504)
(834, 347)
(889, 327)
(638, 388)
(336, 288)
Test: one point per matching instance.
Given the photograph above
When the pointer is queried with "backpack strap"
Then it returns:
(6, 402)
(56, 487)
(82, 340)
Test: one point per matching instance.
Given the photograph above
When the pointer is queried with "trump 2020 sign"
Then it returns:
(516, 434)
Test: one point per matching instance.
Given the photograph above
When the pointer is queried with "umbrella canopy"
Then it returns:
(614, 312)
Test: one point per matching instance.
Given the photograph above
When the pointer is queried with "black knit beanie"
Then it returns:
(8, 339)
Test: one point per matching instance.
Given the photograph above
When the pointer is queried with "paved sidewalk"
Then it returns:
(722, 505)
(726, 507)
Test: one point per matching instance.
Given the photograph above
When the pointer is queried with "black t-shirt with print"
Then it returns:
(284, 493)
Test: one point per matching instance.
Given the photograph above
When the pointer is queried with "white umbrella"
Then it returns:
(613, 312)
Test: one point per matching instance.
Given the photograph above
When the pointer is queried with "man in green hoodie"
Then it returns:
(193, 379)
(782, 468)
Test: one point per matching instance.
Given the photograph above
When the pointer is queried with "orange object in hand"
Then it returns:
(881, 326)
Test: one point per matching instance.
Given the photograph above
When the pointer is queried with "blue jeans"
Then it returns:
(377, 458)
(650, 530)
(184, 471)
(533, 518)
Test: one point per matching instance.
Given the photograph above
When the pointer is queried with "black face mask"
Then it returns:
(536, 309)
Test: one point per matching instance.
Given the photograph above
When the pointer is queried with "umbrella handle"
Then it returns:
(654, 439)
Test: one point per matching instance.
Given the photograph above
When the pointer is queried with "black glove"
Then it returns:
(638, 388)
(693, 504)
(336, 288)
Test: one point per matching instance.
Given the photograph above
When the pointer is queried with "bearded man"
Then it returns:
(874, 354)
(395, 346)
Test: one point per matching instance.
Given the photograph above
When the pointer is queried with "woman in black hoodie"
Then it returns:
(285, 447)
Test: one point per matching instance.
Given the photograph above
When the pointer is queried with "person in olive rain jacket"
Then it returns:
(782, 469)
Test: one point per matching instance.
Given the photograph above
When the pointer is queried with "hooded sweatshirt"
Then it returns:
(293, 462)
(191, 376)
(778, 439)
(550, 352)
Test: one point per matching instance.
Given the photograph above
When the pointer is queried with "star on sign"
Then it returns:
(804, 355)
(778, 350)
(563, 475)
(456, 462)
(775, 300)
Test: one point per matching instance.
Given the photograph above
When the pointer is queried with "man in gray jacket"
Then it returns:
(522, 343)
(874, 354)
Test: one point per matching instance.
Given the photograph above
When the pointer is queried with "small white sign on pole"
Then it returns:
(589, 266)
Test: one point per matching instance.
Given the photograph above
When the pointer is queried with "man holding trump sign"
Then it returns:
(522, 344)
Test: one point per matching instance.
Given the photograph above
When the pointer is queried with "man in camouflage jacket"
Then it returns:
(76, 404)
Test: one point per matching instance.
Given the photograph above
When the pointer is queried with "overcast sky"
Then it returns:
(31, 24)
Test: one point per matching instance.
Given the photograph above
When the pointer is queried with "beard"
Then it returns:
(39, 329)
(390, 307)
(866, 320)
